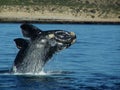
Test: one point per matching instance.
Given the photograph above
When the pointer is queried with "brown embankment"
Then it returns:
(46, 15)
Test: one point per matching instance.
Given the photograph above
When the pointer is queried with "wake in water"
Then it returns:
(42, 73)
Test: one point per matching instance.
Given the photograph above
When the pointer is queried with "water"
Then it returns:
(92, 63)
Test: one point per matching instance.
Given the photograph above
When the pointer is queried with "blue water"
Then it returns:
(92, 63)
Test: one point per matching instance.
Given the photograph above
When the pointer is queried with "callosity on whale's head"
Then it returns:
(39, 46)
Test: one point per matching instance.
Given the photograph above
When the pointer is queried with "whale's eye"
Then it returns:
(62, 36)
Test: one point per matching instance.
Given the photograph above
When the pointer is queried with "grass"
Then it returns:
(38, 2)
(68, 3)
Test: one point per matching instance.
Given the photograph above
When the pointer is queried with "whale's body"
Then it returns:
(40, 46)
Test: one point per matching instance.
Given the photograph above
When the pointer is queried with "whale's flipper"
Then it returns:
(21, 43)
(30, 31)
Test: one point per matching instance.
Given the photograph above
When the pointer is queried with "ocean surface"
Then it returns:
(92, 63)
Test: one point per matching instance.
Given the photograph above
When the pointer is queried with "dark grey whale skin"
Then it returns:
(38, 47)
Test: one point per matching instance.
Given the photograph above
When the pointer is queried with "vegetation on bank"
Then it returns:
(111, 4)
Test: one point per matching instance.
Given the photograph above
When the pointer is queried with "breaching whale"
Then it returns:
(38, 47)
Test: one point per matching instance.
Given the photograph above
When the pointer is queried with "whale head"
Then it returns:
(59, 39)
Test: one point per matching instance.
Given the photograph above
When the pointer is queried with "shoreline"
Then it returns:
(60, 15)
(59, 21)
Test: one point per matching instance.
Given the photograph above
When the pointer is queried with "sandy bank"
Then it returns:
(19, 14)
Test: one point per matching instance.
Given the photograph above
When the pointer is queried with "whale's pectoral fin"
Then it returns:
(30, 31)
(21, 43)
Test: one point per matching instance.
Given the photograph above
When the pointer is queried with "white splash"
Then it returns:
(42, 73)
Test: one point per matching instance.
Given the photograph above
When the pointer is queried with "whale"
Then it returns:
(37, 47)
